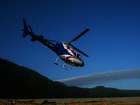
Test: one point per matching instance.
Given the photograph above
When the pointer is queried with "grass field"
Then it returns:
(79, 101)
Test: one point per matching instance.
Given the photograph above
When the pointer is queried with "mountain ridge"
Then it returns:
(22, 82)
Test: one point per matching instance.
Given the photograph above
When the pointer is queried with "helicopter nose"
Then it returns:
(77, 62)
(82, 64)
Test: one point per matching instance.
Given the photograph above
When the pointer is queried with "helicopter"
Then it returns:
(66, 51)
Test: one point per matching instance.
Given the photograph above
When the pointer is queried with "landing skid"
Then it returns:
(56, 63)
(62, 65)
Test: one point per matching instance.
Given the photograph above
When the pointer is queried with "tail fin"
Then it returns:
(26, 28)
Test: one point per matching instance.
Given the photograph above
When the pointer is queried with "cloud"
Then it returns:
(102, 78)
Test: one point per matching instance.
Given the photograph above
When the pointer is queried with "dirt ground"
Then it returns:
(79, 101)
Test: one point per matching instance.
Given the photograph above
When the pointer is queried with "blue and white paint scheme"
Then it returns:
(65, 50)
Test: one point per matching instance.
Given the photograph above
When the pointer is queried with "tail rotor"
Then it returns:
(26, 28)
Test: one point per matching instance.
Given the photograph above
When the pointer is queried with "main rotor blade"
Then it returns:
(77, 37)
(78, 50)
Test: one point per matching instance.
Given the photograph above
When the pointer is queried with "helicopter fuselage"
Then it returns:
(66, 51)
(68, 54)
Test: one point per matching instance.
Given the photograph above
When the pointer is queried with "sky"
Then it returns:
(112, 42)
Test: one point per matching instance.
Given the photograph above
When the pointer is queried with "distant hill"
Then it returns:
(20, 82)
